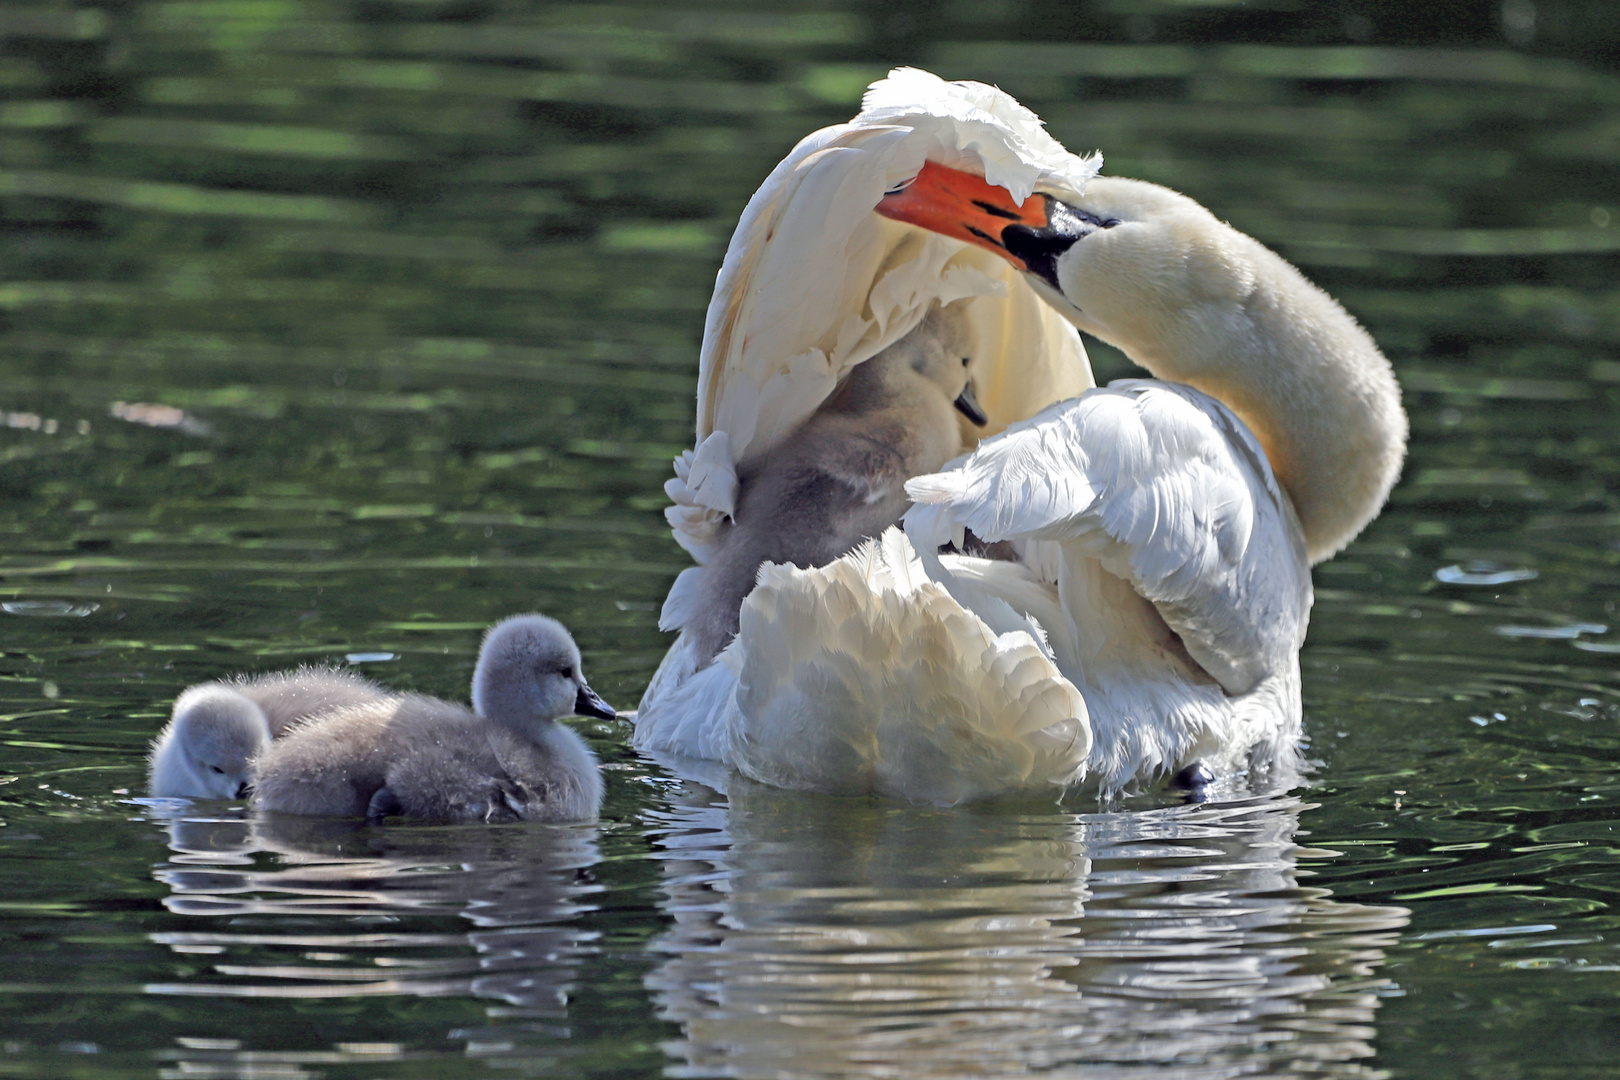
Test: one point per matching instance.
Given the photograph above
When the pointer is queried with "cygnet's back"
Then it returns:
(840, 478)
(288, 697)
(217, 727)
(420, 757)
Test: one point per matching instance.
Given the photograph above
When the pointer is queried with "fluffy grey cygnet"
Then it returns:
(840, 478)
(505, 759)
(217, 727)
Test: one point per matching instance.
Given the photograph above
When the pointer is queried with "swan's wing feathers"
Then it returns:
(814, 283)
(858, 676)
(1169, 491)
(1030, 482)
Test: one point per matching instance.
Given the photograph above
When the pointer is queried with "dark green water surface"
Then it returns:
(340, 329)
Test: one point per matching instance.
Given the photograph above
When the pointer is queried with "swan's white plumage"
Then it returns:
(1166, 489)
(769, 358)
(865, 676)
(1161, 587)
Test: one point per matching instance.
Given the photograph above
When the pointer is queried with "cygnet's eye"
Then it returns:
(966, 360)
(217, 769)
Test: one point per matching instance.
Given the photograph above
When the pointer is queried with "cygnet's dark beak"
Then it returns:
(967, 403)
(587, 703)
(1030, 235)
(243, 790)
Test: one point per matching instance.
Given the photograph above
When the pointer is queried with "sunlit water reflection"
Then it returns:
(816, 938)
(304, 909)
(337, 331)
(811, 936)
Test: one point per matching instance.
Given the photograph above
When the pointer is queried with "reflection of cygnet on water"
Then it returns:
(311, 908)
(505, 759)
(217, 727)
(817, 937)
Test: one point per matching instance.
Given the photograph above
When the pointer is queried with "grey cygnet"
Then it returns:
(217, 727)
(505, 759)
(840, 478)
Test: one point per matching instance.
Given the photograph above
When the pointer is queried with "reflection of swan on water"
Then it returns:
(821, 937)
(1156, 597)
(309, 908)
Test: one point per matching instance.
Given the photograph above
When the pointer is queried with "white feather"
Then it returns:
(769, 359)
(1161, 590)
(856, 678)
(1167, 490)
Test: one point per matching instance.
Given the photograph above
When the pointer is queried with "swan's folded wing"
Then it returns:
(1168, 489)
(814, 282)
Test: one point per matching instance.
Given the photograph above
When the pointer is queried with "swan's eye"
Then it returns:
(217, 769)
(966, 360)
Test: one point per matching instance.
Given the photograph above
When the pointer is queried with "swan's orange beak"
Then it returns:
(964, 206)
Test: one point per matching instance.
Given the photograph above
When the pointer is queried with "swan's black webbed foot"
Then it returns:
(384, 804)
(504, 803)
(1194, 780)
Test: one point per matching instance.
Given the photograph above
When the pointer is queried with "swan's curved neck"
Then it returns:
(1195, 301)
(1315, 390)
(1297, 369)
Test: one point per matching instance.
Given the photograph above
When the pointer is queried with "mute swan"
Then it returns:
(217, 727)
(1153, 618)
(839, 479)
(506, 759)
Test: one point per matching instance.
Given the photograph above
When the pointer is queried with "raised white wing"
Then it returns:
(814, 282)
(1169, 491)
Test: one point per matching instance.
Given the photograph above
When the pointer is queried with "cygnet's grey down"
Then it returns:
(840, 478)
(505, 759)
(217, 727)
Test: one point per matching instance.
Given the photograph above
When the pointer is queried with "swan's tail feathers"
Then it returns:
(680, 710)
(684, 596)
(861, 676)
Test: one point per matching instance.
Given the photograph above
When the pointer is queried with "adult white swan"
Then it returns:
(1152, 611)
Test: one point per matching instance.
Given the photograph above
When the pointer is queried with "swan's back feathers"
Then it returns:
(863, 676)
(1168, 490)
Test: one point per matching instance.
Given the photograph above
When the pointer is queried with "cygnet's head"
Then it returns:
(205, 751)
(529, 674)
(937, 350)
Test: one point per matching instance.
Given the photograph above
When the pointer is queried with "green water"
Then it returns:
(338, 329)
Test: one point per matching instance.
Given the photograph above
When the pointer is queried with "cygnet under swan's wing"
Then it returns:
(814, 282)
(864, 676)
(1167, 489)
